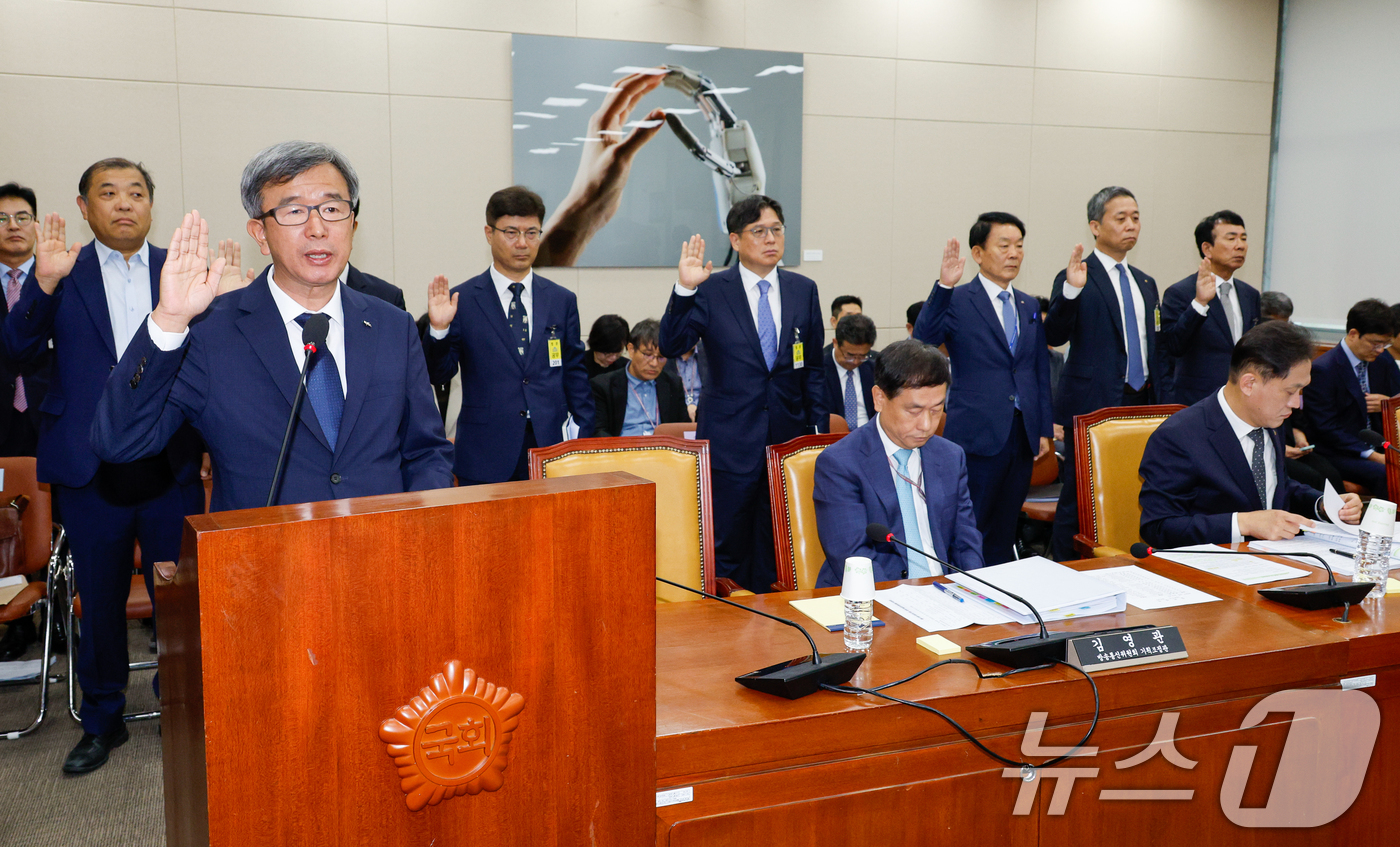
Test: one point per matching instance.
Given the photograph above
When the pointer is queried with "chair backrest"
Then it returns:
(1045, 470)
(838, 425)
(1390, 415)
(791, 466)
(1108, 450)
(37, 522)
(680, 467)
(675, 430)
(1322, 347)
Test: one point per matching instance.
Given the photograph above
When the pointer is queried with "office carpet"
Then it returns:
(120, 804)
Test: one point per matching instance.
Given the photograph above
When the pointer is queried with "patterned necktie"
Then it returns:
(851, 416)
(918, 565)
(1226, 290)
(1256, 465)
(1363, 378)
(323, 388)
(1008, 319)
(11, 297)
(767, 329)
(1136, 377)
(517, 318)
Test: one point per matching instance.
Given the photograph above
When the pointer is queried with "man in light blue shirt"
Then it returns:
(638, 398)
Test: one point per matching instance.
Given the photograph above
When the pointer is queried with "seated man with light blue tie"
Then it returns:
(895, 471)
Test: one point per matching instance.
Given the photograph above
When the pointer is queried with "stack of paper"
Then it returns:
(1056, 591)
(1147, 590)
(934, 610)
(1331, 534)
(1245, 568)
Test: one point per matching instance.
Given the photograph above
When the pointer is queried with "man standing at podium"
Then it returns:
(368, 424)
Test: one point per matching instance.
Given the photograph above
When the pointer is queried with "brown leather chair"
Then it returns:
(790, 473)
(675, 430)
(838, 425)
(42, 540)
(1390, 415)
(680, 467)
(1045, 490)
(1108, 450)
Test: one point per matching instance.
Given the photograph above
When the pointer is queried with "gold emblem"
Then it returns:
(453, 737)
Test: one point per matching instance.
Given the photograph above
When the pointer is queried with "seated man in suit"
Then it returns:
(635, 399)
(1350, 382)
(846, 304)
(368, 424)
(850, 372)
(1213, 473)
(895, 471)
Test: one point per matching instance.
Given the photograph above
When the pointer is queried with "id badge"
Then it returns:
(797, 355)
(1157, 317)
(556, 353)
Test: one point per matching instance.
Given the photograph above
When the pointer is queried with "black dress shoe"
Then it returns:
(18, 637)
(92, 752)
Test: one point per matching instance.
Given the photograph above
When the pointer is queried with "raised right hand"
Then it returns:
(693, 268)
(51, 261)
(950, 270)
(1205, 284)
(188, 282)
(442, 305)
(1077, 271)
(1271, 524)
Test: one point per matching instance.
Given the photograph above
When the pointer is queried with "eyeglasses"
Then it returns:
(853, 358)
(531, 235)
(650, 357)
(760, 233)
(296, 214)
(20, 218)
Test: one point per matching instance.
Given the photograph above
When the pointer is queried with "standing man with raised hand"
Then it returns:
(1205, 314)
(1000, 412)
(1108, 312)
(90, 303)
(762, 329)
(515, 337)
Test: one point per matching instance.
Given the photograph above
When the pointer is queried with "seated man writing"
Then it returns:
(1214, 472)
(895, 471)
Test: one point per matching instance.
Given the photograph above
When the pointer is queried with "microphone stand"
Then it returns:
(310, 348)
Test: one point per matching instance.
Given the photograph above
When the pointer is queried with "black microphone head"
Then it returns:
(315, 329)
(877, 532)
(1373, 439)
(1140, 550)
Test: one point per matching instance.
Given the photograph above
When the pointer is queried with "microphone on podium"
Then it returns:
(798, 677)
(313, 338)
(1310, 596)
(1022, 651)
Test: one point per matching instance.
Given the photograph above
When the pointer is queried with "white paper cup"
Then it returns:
(859, 581)
(1380, 518)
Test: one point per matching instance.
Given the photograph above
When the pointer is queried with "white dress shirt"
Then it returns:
(750, 282)
(854, 374)
(1110, 265)
(128, 288)
(289, 310)
(1229, 302)
(1242, 431)
(916, 473)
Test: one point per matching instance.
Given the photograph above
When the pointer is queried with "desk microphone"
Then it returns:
(1376, 441)
(798, 677)
(313, 337)
(1022, 651)
(1310, 596)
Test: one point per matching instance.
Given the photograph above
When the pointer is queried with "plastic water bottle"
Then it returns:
(858, 592)
(1373, 546)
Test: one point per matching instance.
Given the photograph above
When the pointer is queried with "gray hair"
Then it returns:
(286, 161)
(1100, 200)
(1277, 305)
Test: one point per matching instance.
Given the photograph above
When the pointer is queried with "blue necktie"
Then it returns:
(1136, 378)
(918, 565)
(1008, 319)
(767, 329)
(851, 416)
(517, 318)
(1362, 377)
(323, 388)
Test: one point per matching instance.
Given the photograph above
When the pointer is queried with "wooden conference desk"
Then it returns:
(834, 768)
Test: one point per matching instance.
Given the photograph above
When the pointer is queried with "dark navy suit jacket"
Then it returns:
(836, 385)
(854, 488)
(1097, 367)
(988, 378)
(35, 373)
(235, 380)
(1201, 344)
(374, 286)
(1195, 476)
(1337, 408)
(745, 407)
(75, 316)
(498, 386)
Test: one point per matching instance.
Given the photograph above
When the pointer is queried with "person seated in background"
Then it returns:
(1211, 472)
(605, 342)
(1349, 384)
(911, 316)
(895, 471)
(639, 397)
(849, 371)
(693, 371)
(846, 304)
(1275, 306)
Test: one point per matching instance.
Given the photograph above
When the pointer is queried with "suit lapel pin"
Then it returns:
(367, 323)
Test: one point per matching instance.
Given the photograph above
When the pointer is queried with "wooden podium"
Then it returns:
(472, 665)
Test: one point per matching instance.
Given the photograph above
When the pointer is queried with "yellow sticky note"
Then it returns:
(1392, 585)
(938, 644)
